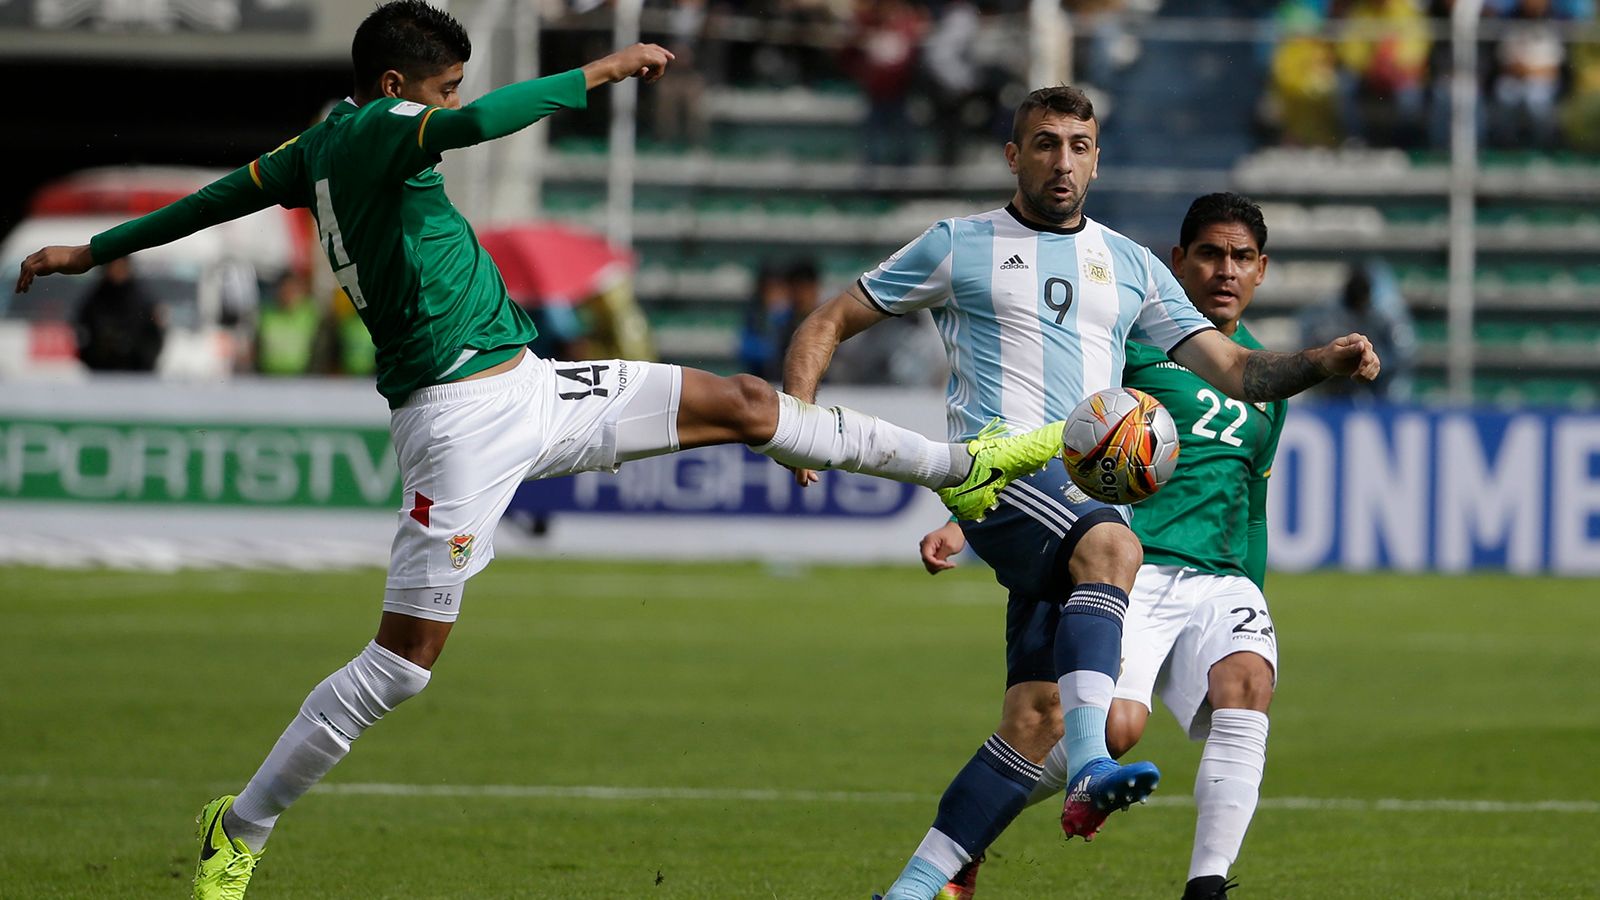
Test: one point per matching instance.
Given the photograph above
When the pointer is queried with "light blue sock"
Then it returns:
(921, 880)
(1086, 737)
(1088, 654)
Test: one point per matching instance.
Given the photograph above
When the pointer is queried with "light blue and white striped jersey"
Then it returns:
(1034, 319)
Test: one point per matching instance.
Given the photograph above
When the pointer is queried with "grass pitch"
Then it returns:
(711, 731)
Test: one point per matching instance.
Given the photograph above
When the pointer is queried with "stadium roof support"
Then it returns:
(622, 155)
(1463, 189)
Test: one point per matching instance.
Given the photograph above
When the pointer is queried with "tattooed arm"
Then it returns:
(1257, 376)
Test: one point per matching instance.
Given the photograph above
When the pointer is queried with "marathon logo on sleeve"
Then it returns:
(407, 108)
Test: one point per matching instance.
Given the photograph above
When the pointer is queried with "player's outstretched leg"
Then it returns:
(334, 714)
(1088, 652)
(801, 435)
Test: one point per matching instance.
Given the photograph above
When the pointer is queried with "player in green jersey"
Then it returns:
(1197, 628)
(473, 412)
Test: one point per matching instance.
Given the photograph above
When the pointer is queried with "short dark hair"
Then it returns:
(1223, 207)
(1062, 99)
(410, 37)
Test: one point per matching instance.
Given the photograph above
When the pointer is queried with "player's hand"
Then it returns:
(1350, 355)
(54, 261)
(939, 545)
(805, 477)
(645, 61)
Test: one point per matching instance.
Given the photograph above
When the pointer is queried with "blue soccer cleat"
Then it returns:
(1101, 788)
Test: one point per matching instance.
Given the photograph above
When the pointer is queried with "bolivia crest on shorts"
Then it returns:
(460, 550)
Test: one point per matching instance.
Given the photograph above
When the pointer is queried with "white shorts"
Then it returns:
(464, 447)
(1180, 623)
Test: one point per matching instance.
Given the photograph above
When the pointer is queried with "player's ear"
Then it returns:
(391, 84)
(1095, 172)
(1011, 156)
(1261, 270)
(1177, 258)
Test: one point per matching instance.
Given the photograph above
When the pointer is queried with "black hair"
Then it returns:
(410, 37)
(802, 270)
(1062, 100)
(1219, 208)
(1358, 289)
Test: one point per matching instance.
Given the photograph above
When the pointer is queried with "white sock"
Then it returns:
(811, 437)
(334, 714)
(1055, 776)
(1226, 788)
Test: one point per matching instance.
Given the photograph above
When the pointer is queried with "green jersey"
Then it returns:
(1212, 515)
(429, 295)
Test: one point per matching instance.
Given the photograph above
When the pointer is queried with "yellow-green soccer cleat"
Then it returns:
(998, 460)
(225, 863)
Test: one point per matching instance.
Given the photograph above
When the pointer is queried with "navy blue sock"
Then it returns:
(1088, 656)
(1089, 635)
(986, 795)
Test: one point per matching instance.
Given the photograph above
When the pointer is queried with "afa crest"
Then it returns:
(1098, 272)
(460, 550)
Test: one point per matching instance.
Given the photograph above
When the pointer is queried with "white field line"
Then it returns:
(775, 795)
(603, 792)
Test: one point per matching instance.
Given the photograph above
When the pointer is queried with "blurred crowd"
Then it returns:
(1359, 72)
(949, 67)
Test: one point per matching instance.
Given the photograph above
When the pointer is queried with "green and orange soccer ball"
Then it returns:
(1120, 445)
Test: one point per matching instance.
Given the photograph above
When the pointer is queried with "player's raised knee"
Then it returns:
(1108, 553)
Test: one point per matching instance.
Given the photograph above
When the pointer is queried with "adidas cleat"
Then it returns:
(964, 885)
(998, 460)
(1101, 788)
(225, 863)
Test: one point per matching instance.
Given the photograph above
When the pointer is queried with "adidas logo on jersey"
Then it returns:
(1015, 262)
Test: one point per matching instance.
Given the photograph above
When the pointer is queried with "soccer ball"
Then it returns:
(1120, 445)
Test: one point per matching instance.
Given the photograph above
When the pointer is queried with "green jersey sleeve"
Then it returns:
(281, 174)
(501, 112)
(405, 138)
(236, 194)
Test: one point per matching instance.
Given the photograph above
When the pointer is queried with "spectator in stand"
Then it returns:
(287, 329)
(1370, 303)
(1441, 68)
(1580, 112)
(1101, 39)
(680, 109)
(1301, 101)
(120, 328)
(952, 74)
(1528, 79)
(770, 320)
(882, 57)
(1383, 67)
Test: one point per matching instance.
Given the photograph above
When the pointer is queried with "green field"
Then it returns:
(699, 731)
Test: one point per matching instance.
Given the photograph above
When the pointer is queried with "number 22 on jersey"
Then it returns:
(1229, 434)
(333, 243)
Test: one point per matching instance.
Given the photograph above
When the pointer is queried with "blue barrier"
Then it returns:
(1356, 488)
(1409, 488)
